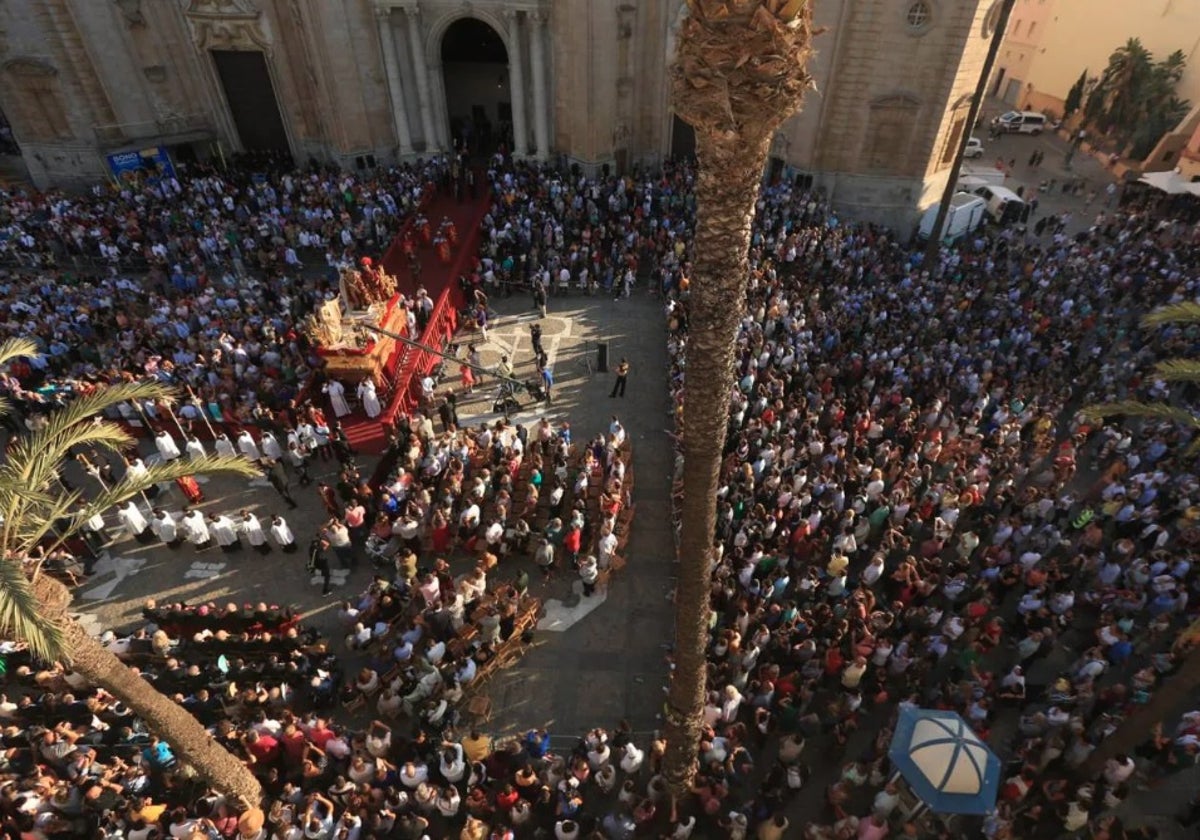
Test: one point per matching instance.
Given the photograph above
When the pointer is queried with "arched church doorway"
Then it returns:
(478, 96)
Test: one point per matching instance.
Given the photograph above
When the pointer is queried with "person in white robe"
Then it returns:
(252, 530)
(168, 450)
(134, 522)
(196, 529)
(225, 445)
(94, 533)
(270, 446)
(135, 470)
(195, 449)
(223, 531)
(247, 445)
(369, 398)
(337, 397)
(165, 528)
(282, 534)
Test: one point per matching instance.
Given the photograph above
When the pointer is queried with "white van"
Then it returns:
(965, 214)
(1003, 205)
(1019, 122)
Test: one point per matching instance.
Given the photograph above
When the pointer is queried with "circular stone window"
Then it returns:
(919, 17)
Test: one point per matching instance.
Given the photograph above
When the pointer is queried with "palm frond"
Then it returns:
(1178, 370)
(1147, 410)
(1185, 312)
(12, 349)
(21, 616)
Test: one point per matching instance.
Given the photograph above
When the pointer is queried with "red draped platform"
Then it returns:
(440, 279)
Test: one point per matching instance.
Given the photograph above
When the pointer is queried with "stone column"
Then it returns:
(424, 94)
(516, 83)
(387, 39)
(541, 108)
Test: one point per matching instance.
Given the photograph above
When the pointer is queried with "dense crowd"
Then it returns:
(912, 512)
(224, 285)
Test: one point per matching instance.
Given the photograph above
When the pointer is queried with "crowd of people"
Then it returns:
(230, 262)
(912, 511)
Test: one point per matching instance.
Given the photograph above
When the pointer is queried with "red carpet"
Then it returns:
(440, 279)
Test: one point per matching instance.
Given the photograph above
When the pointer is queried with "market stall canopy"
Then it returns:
(1172, 183)
(944, 762)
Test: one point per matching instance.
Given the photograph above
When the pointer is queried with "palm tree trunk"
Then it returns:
(740, 71)
(188, 739)
(726, 190)
(1169, 699)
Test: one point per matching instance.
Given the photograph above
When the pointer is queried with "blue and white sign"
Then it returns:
(148, 166)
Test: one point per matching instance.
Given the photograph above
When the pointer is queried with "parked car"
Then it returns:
(974, 148)
(1019, 122)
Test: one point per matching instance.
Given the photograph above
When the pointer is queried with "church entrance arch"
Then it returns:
(475, 72)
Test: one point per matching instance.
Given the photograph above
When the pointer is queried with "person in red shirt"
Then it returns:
(263, 750)
(571, 544)
(319, 734)
(293, 744)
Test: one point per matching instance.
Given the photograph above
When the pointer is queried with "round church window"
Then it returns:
(919, 16)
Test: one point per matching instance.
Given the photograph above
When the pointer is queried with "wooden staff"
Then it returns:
(203, 411)
(166, 403)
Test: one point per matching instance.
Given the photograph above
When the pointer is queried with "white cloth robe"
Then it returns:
(369, 399)
(195, 528)
(165, 528)
(281, 533)
(337, 396)
(270, 446)
(223, 531)
(248, 447)
(132, 519)
(225, 446)
(168, 450)
(136, 471)
(253, 530)
(195, 449)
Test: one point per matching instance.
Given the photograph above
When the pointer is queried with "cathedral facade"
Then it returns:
(365, 83)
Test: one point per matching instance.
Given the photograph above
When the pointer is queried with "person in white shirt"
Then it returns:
(164, 527)
(252, 530)
(195, 449)
(223, 530)
(168, 450)
(134, 522)
(247, 446)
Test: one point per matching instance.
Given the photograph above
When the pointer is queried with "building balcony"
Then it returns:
(171, 128)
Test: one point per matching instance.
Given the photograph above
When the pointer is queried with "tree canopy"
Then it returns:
(1134, 99)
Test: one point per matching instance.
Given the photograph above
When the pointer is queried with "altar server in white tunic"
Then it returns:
(369, 398)
(135, 470)
(225, 445)
(253, 532)
(223, 531)
(164, 527)
(134, 523)
(271, 447)
(282, 534)
(247, 445)
(195, 449)
(168, 450)
(196, 529)
(337, 397)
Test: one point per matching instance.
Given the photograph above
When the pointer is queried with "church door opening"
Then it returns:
(478, 96)
(251, 98)
(683, 140)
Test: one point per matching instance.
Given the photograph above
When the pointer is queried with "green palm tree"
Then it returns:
(1169, 370)
(740, 71)
(34, 606)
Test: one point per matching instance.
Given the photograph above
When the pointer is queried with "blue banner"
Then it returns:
(137, 169)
